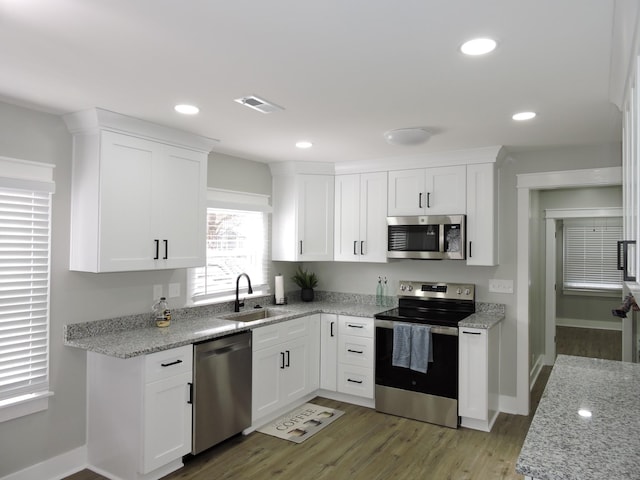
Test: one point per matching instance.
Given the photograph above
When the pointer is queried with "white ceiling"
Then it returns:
(346, 71)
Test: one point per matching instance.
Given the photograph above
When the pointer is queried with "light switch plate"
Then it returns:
(157, 292)
(500, 286)
(174, 290)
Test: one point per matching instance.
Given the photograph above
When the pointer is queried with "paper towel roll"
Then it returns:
(279, 290)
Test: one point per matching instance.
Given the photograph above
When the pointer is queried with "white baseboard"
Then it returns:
(596, 324)
(54, 468)
(509, 404)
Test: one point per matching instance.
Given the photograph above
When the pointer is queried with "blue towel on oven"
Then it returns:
(401, 354)
(421, 351)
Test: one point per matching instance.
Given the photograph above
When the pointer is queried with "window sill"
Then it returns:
(24, 405)
(594, 293)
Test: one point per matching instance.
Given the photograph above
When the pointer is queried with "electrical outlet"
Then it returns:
(500, 286)
(174, 290)
(157, 292)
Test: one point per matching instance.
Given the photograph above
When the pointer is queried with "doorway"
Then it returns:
(529, 185)
(573, 318)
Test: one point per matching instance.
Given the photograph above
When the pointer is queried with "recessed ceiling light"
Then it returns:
(304, 144)
(186, 109)
(478, 46)
(523, 116)
(583, 412)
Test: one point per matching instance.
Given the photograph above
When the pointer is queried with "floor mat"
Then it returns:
(302, 422)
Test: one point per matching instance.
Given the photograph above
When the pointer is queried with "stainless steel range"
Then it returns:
(417, 351)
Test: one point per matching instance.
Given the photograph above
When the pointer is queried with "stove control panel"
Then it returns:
(462, 291)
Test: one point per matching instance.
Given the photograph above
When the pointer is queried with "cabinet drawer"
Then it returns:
(358, 326)
(270, 335)
(355, 380)
(355, 350)
(167, 363)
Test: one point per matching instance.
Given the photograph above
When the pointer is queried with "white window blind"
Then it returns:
(24, 292)
(590, 254)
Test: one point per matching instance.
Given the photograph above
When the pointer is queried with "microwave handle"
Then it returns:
(623, 259)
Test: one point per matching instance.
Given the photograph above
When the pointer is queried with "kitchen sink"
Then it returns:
(257, 314)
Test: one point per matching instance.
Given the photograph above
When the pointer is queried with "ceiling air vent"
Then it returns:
(258, 104)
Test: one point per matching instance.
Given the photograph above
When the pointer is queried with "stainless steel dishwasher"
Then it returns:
(221, 389)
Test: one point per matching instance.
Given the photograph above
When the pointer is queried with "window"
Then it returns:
(237, 242)
(590, 254)
(25, 217)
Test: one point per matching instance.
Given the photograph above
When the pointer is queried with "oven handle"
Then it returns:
(437, 329)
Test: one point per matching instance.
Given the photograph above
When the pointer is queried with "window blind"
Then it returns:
(590, 254)
(24, 291)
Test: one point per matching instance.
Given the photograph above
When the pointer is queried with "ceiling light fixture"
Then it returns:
(478, 46)
(583, 412)
(521, 116)
(407, 136)
(304, 144)
(186, 109)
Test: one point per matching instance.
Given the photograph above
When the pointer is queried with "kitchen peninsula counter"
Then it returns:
(562, 444)
(135, 335)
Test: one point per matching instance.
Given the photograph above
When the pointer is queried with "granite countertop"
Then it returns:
(561, 444)
(136, 335)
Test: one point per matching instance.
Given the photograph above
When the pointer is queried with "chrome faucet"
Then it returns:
(238, 303)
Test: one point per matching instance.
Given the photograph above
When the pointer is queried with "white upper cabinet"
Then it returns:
(428, 191)
(138, 203)
(302, 217)
(482, 217)
(360, 217)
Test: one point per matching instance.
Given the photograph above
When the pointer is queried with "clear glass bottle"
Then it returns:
(385, 294)
(161, 313)
(379, 292)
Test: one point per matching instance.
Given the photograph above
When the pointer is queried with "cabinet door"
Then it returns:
(328, 351)
(295, 375)
(126, 184)
(473, 397)
(315, 217)
(267, 364)
(167, 421)
(347, 246)
(481, 215)
(179, 207)
(373, 217)
(406, 192)
(446, 189)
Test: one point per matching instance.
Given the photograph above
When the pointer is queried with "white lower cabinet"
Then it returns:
(329, 352)
(139, 413)
(285, 364)
(479, 380)
(355, 356)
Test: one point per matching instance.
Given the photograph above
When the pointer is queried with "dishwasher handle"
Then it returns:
(222, 346)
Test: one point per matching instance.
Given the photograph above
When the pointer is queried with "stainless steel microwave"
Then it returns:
(427, 237)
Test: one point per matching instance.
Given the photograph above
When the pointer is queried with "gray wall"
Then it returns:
(77, 297)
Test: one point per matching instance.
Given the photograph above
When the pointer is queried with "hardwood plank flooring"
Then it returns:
(366, 445)
(589, 342)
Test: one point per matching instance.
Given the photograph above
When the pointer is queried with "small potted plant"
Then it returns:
(307, 282)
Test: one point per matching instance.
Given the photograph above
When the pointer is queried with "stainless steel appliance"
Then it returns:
(221, 389)
(427, 237)
(432, 396)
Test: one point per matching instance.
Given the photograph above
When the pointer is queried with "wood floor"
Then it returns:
(366, 445)
(589, 342)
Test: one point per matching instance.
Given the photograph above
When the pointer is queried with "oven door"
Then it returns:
(429, 397)
(441, 378)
